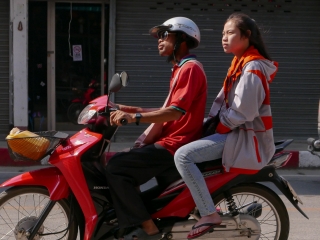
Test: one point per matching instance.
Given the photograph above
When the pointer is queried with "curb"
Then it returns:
(6, 160)
(303, 159)
(308, 160)
(299, 159)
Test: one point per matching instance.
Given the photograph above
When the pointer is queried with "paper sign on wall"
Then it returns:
(77, 52)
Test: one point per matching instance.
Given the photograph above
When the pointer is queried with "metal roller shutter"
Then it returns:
(291, 33)
(4, 67)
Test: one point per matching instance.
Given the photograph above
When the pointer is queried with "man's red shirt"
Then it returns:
(189, 95)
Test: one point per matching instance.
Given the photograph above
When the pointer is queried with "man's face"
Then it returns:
(166, 43)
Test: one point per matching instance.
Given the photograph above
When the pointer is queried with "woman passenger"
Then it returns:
(244, 136)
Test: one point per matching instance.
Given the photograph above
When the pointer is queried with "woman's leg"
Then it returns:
(205, 149)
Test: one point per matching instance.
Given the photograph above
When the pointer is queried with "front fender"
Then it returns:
(50, 177)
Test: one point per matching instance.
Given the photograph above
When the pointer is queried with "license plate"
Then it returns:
(295, 195)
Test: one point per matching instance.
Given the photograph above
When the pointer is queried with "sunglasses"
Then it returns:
(164, 35)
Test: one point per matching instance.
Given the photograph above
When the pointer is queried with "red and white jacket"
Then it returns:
(246, 117)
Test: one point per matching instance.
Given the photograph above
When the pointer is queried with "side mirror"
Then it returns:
(115, 84)
(124, 79)
(118, 81)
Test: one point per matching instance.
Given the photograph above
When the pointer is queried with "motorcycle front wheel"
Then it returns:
(20, 208)
(274, 218)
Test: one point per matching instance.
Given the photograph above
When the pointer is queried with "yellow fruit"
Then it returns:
(27, 144)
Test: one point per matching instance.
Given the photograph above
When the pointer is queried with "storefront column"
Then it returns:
(19, 74)
(112, 42)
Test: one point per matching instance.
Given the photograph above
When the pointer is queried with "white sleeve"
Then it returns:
(249, 96)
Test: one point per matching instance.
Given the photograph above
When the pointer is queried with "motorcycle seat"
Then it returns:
(171, 175)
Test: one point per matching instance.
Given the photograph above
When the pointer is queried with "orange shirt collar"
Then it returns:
(236, 67)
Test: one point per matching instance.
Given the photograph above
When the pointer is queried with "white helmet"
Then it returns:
(179, 24)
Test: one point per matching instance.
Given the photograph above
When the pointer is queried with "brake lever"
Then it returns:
(107, 114)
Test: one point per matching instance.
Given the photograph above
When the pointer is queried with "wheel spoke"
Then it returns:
(20, 208)
(273, 217)
(10, 233)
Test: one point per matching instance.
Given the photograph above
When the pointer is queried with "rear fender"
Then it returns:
(267, 174)
(51, 178)
(285, 187)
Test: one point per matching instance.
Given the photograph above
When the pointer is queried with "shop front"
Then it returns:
(289, 28)
(67, 64)
(70, 46)
(5, 85)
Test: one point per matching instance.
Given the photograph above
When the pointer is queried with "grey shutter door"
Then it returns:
(291, 33)
(4, 67)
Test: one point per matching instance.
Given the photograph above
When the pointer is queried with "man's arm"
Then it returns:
(132, 109)
(159, 116)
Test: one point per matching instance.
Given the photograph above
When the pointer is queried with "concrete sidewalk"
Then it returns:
(301, 158)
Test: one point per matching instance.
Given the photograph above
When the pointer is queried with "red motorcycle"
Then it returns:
(72, 194)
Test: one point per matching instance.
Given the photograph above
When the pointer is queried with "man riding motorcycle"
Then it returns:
(178, 122)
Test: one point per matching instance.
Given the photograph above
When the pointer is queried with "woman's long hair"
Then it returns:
(245, 23)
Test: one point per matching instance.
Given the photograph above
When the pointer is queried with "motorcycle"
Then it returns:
(80, 102)
(72, 194)
(314, 144)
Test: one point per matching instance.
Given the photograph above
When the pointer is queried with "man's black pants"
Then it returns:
(128, 170)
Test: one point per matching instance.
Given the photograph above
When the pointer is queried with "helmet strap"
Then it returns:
(176, 47)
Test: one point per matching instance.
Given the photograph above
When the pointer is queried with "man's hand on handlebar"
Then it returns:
(121, 118)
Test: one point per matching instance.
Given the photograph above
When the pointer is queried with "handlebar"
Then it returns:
(124, 121)
(314, 145)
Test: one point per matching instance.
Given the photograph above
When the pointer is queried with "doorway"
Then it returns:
(68, 42)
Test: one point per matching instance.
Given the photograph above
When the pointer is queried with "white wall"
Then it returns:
(19, 13)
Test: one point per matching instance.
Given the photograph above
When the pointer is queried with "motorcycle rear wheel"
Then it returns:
(21, 206)
(274, 220)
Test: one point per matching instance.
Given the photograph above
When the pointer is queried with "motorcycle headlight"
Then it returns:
(87, 113)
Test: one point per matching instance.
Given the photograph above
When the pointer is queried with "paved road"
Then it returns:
(306, 183)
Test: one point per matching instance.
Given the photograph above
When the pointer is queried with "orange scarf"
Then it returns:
(236, 67)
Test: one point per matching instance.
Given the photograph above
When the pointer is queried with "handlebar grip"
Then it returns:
(310, 141)
(124, 121)
(316, 144)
